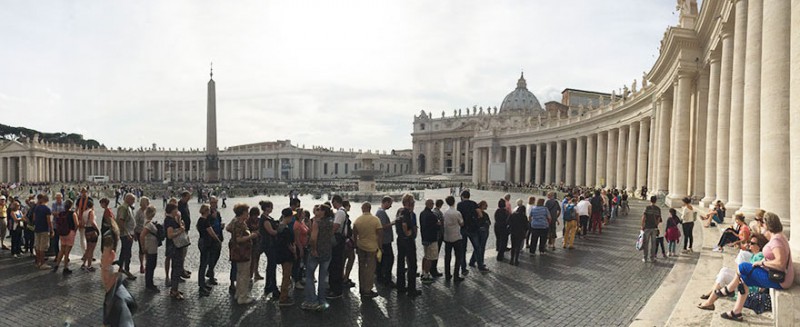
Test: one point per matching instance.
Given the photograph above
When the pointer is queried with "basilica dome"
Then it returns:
(521, 100)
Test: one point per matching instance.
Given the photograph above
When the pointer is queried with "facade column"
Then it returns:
(735, 157)
(711, 133)
(518, 165)
(528, 159)
(580, 161)
(679, 166)
(559, 154)
(724, 115)
(441, 157)
(570, 168)
(642, 160)
(630, 174)
(507, 162)
(539, 163)
(548, 164)
(775, 109)
(467, 154)
(602, 138)
(476, 169)
(622, 164)
(591, 160)
(751, 141)
(698, 144)
(663, 147)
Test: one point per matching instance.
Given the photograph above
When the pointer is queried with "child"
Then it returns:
(673, 234)
(660, 240)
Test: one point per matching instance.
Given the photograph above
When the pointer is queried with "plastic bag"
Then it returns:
(640, 241)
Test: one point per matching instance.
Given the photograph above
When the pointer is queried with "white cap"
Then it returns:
(2, 197)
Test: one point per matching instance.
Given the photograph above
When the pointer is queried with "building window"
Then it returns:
(325, 168)
(395, 168)
(346, 168)
(336, 168)
(422, 127)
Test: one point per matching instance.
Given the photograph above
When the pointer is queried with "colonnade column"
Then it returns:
(580, 161)
(591, 160)
(641, 158)
(509, 172)
(724, 115)
(528, 158)
(548, 164)
(679, 167)
(751, 141)
(775, 109)
(737, 107)
(559, 162)
(601, 159)
(630, 176)
(794, 130)
(663, 146)
(538, 164)
(570, 169)
(622, 164)
(611, 166)
(711, 132)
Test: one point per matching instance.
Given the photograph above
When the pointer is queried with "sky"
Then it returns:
(342, 74)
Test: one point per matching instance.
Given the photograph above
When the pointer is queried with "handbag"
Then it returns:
(181, 240)
(759, 302)
(777, 275)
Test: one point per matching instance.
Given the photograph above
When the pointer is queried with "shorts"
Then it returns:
(68, 240)
(42, 241)
(136, 240)
(432, 251)
(756, 276)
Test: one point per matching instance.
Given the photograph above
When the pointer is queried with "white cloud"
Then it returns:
(344, 74)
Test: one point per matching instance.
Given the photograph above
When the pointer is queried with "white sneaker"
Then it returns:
(717, 249)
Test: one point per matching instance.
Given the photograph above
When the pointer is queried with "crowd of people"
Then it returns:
(323, 243)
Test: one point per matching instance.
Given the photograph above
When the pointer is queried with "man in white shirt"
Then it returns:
(584, 209)
(452, 238)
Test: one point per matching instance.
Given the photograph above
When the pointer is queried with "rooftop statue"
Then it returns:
(633, 86)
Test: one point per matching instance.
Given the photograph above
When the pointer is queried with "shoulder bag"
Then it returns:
(181, 240)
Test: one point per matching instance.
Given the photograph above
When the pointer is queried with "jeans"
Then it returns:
(387, 261)
(150, 268)
(125, 252)
(464, 238)
(671, 246)
(16, 241)
(649, 243)
(366, 267)
(406, 256)
(205, 256)
(477, 256)
(584, 224)
(449, 247)
(299, 264)
(214, 251)
(177, 267)
(688, 238)
(270, 282)
(336, 269)
(660, 243)
(501, 234)
(540, 235)
(318, 295)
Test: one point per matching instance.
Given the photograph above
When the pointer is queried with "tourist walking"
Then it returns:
(429, 230)
(540, 222)
(406, 228)
(148, 238)
(367, 232)
(384, 269)
(483, 237)
(322, 229)
(42, 221)
(650, 220)
(554, 208)
(584, 210)
(139, 218)
(349, 254)
(453, 222)
(67, 228)
(597, 204)
(673, 235)
(501, 228)
(240, 246)
(688, 217)
(518, 227)
(127, 225)
(55, 209)
(570, 224)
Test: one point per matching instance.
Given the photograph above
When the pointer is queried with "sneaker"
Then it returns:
(644, 260)
(299, 286)
(465, 272)
(483, 269)
(308, 306)
(458, 279)
(717, 249)
(66, 271)
(153, 288)
(54, 269)
(248, 300)
(286, 303)
(212, 281)
(323, 306)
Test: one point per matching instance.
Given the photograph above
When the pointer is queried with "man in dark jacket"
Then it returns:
(469, 211)
(429, 226)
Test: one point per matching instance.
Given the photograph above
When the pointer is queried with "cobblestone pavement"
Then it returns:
(602, 282)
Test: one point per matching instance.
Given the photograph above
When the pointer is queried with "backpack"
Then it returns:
(161, 233)
(568, 212)
(62, 223)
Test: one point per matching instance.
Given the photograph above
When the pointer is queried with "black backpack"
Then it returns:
(161, 233)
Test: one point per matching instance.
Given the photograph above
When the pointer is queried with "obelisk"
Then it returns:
(212, 160)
